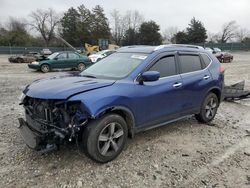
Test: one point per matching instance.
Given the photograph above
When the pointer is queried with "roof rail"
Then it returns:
(178, 45)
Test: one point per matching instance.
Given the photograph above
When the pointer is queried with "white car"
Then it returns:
(216, 50)
(209, 50)
(100, 55)
(46, 51)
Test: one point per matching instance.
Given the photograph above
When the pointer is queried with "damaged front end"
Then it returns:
(49, 123)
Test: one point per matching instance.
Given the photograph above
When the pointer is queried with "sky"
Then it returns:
(167, 13)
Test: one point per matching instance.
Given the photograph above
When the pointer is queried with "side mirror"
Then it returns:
(149, 76)
(56, 58)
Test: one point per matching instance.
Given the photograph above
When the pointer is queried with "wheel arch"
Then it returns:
(217, 92)
(123, 112)
(45, 63)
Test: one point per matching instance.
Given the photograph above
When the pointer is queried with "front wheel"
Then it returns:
(208, 109)
(105, 138)
(45, 68)
(81, 67)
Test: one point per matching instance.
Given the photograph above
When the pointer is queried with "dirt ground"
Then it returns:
(182, 154)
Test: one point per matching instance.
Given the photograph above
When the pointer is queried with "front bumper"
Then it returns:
(30, 137)
(37, 137)
(32, 66)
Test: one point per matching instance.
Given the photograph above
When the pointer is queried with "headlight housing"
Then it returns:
(93, 60)
(21, 97)
(35, 63)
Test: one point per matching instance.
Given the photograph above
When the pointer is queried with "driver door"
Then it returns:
(60, 60)
(161, 99)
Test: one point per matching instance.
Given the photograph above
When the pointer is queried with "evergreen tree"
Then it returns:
(181, 37)
(149, 33)
(81, 26)
(196, 32)
(70, 27)
(130, 37)
(100, 26)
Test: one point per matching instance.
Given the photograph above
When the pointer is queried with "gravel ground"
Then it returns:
(182, 154)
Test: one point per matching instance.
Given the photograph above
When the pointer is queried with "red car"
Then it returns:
(224, 57)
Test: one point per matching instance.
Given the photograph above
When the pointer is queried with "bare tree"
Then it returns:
(14, 24)
(229, 31)
(117, 26)
(242, 34)
(169, 34)
(45, 22)
(121, 23)
(133, 20)
(212, 37)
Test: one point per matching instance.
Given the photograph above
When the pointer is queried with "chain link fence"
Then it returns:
(22, 50)
(227, 46)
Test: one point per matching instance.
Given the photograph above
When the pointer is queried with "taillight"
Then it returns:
(222, 69)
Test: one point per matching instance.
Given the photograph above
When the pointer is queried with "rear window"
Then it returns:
(206, 59)
(190, 63)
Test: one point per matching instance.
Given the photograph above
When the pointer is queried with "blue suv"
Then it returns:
(135, 89)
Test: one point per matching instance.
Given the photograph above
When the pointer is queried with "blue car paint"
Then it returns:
(62, 87)
(147, 104)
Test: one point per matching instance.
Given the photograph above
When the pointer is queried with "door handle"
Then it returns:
(206, 77)
(176, 85)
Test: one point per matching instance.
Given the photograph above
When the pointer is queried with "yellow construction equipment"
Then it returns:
(91, 48)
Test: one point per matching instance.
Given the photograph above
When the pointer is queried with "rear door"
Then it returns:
(73, 59)
(196, 80)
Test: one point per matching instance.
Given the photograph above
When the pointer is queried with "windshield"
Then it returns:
(52, 56)
(115, 66)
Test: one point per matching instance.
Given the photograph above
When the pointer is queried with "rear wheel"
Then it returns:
(45, 68)
(208, 109)
(105, 138)
(81, 67)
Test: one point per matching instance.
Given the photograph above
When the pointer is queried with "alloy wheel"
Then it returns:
(110, 139)
(210, 108)
(45, 68)
(81, 67)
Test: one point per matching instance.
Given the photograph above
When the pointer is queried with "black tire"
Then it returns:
(81, 67)
(45, 68)
(208, 109)
(104, 138)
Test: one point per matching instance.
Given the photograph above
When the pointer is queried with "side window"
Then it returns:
(190, 63)
(165, 66)
(206, 59)
(62, 56)
(73, 56)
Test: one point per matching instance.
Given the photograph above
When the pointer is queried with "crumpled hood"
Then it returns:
(62, 87)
